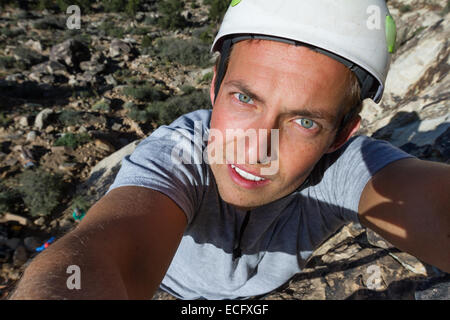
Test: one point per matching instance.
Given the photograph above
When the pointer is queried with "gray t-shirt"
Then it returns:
(279, 236)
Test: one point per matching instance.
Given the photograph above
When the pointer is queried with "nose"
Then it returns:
(262, 150)
(265, 146)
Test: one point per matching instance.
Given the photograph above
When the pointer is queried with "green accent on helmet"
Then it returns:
(235, 2)
(391, 34)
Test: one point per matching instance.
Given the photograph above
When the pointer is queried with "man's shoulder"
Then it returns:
(360, 156)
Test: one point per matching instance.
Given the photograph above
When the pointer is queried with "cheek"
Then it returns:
(298, 160)
(220, 118)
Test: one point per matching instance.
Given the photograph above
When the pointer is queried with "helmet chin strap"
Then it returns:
(366, 81)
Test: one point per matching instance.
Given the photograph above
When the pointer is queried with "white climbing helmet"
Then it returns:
(359, 33)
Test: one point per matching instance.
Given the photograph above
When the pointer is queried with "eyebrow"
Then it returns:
(245, 89)
(313, 114)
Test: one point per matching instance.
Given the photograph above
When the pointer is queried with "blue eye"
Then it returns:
(244, 98)
(306, 123)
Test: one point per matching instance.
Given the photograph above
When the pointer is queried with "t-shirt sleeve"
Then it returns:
(166, 162)
(345, 173)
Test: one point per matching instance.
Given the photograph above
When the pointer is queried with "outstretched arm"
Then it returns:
(408, 203)
(123, 248)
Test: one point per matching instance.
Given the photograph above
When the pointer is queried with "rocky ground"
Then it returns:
(57, 83)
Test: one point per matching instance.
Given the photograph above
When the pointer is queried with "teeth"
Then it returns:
(246, 175)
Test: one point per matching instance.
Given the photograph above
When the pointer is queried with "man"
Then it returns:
(206, 225)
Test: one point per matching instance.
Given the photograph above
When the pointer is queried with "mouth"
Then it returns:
(246, 179)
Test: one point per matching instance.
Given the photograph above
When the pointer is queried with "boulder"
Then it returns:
(41, 118)
(104, 173)
(71, 52)
(119, 48)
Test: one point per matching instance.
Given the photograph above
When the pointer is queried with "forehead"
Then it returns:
(295, 73)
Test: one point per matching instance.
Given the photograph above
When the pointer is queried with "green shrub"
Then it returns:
(5, 2)
(111, 29)
(84, 94)
(132, 7)
(7, 62)
(28, 56)
(167, 111)
(170, 14)
(129, 105)
(80, 202)
(186, 52)
(70, 117)
(4, 120)
(50, 23)
(187, 89)
(11, 32)
(9, 199)
(205, 34)
(114, 5)
(102, 105)
(73, 140)
(207, 78)
(146, 42)
(128, 6)
(139, 115)
(446, 9)
(144, 93)
(217, 9)
(405, 8)
(61, 5)
(41, 191)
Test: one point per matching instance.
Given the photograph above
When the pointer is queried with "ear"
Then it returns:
(212, 87)
(345, 134)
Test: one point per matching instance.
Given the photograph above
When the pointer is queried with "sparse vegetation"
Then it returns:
(405, 8)
(205, 34)
(217, 9)
(144, 93)
(146, 41)
(207, 78)
(50, 23)
(446, 9)
(110, 29)
(126, 6)
(4, 120)
(102, 105)
(80, 202)
(61, 5)
(73, 140)
(7, 62)
(70, 117)
(41, 191)
(171, 17)
(186, 52)
(9, 199)
(167, 111)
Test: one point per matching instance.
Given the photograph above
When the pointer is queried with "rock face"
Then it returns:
(70, 52)
(103, 174)
(414, 112)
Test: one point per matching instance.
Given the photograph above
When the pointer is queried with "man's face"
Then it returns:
(273, 85)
